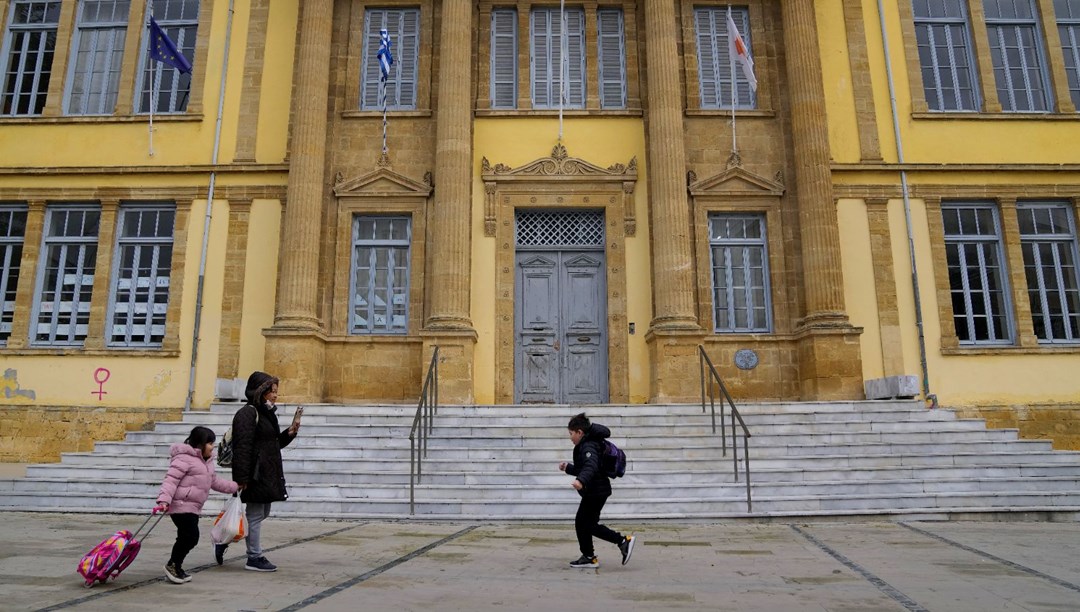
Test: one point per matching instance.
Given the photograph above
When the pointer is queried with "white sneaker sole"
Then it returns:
(173, 579)
(629, 550)
(258, 569)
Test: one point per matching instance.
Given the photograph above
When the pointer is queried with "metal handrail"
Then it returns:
(703, 360)
(423, 422)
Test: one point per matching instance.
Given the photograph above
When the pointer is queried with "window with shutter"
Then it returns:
(715, 69)
(503, 58)
(550, 74)
(611, 56)
(403, 26)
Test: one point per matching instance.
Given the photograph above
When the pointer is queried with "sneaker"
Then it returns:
(627, 548)
(584, 562)
(174, 574)
(184, 576)
(260, 564)
(219, 553)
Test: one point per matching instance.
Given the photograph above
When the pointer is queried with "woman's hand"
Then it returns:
(295, 427)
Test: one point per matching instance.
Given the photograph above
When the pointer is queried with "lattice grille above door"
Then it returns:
(579, 228)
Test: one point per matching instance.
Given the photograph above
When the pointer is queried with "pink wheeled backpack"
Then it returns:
(114, 554)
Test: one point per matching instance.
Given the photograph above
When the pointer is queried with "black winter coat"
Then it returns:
(586, 465)
(257, 450)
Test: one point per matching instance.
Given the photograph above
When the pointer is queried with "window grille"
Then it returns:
(98, 51)
(180, 20)
(560, 229)
(714, 57)
(740, 273)
(12, 234)
(1016, 52)
(977, 278)
(379, 296)
(946, 55)
(141, 278)
(66, 281)
(403, 26)
(27, 56)
(1048, 240)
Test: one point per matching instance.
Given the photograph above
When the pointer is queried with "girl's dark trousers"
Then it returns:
(587, 524)
(187, 536)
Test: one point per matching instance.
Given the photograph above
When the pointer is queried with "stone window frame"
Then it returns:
(560, 182)
(1073, 48)
(969, 55)
(88, 32)
(7, 14)
(726, 243)
(375, 244)
(10, 270)
(991, 106)
(144, 62)
(109, 200)
(761, 46)
(64, 210)
(139, 207)
(632, 34)
(370, 197)
(56, 98)
(1006, 197)
(1061, 241)
(355, 57)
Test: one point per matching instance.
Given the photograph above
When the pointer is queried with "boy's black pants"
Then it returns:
(187, 536)
(587, 524)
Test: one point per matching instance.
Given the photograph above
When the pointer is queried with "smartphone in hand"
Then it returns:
(296, 415)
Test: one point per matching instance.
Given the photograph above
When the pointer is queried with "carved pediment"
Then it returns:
(538, 261)
(382, 182)
(561, 165)
(735, 181)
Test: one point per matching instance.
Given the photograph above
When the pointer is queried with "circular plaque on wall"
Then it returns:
(746, 359)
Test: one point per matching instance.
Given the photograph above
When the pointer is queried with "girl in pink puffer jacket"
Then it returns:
(185, 489)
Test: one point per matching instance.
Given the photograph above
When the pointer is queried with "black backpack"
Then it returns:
(613, 460)
(225, 447)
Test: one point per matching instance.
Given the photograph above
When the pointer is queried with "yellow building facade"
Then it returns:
(560, 206)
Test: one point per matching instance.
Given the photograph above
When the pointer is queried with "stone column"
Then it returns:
(448, 323)
(294, 349)
(830, 366)
(674, 332)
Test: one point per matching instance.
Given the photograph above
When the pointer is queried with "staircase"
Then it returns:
(500, 462)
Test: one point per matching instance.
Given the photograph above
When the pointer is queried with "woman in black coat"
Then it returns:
(256, 467)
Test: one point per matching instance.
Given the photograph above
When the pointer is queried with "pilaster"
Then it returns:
(28, 273)
(97, 328)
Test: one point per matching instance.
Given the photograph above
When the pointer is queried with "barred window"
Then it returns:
(552, 75)
(379, 296)
(27, 56)
(1048, 240)
(1068, 20)
(66, 280)
(140, 281)
(403, 26)
(180, 21)
(1016, 53)
(977, 278)
(714, 57)
(740, 273)
(98, 49)
(12, 233)
(942, 33)
(504, 71)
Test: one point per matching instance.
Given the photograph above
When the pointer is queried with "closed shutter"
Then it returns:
(403, 26)
(541, 58)
(545, 60)
(575, 59)
(611, 56)
(709, 52)
(504, 58)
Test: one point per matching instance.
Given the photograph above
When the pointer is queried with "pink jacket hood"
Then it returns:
(189, 480)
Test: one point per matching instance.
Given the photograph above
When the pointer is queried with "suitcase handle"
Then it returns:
(145, 535)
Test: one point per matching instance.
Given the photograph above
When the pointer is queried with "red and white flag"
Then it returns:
(739, 51)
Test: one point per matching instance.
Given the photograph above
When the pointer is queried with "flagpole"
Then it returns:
(734, 98)
(562, 63)
(382, 95)
(153, 75)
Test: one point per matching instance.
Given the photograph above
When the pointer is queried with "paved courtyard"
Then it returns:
(383, 565)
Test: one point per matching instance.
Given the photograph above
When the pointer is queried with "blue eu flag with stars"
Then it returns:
(164, 50)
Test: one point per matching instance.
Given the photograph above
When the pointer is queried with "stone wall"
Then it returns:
(1059, 423)
(40, 433)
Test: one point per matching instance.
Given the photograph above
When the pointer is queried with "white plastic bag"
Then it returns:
(231, 524)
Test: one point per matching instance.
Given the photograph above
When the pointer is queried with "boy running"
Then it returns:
(594, 486)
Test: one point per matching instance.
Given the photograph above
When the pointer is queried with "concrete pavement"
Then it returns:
(380, 565)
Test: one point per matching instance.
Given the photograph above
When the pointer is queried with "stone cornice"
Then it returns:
(190, 169)
(382, 182)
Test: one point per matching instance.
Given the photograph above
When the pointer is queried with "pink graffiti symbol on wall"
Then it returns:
(100, 376)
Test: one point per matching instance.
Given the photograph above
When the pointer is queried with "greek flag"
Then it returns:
(384, 56)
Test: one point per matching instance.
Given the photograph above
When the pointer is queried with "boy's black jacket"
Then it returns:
(586, 465)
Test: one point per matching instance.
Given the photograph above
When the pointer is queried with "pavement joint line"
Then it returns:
(992, 557)
(375, 572)
(869, 576)
(194, 570)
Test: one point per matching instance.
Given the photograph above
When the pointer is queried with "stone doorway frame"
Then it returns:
(560, 182)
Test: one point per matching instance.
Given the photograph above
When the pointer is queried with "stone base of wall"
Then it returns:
(32, 434)
(296, 358)
(830, 364)
(1059, 423)
(378, 371)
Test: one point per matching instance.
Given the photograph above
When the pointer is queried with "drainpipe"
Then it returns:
(209, 213)
(927, 396)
